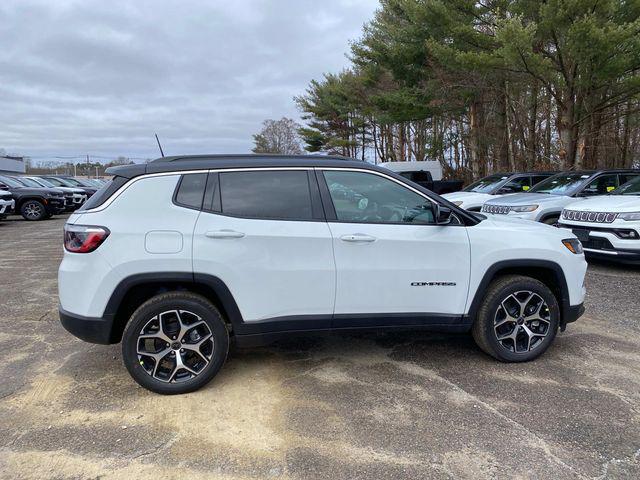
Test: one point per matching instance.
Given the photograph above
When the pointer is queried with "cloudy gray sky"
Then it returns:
(101, 77)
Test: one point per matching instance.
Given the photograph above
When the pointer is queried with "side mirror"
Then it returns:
(443, 215)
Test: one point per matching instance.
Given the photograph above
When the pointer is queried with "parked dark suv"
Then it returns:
(70, 182)
(34, 203)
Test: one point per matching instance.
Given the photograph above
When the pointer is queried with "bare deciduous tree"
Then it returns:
(278, 136)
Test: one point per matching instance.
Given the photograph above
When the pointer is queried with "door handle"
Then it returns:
(224, 234)
(357, 238)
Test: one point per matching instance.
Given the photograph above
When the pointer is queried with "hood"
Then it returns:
(41, 191)
(71, 190)
(468, 197)
(525, 226)
(608, 203)
(516, 199)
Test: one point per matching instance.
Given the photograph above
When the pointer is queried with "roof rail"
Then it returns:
(247, 156)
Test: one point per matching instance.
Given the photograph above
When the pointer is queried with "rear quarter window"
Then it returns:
(104, 193)
(190, 190)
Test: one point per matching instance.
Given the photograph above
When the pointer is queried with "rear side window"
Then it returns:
(104, 193)
(283, 195)
(191, 190)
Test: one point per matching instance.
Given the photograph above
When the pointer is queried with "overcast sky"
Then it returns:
(101, 77)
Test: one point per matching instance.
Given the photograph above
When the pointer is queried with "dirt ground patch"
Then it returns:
(403, 405)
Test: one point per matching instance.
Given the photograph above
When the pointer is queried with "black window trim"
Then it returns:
(317, 212)
(330, 210)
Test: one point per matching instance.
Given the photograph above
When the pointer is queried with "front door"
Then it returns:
(392, 260)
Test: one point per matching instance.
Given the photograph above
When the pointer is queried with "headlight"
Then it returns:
(629, 216)
(573, 245)
(524, 208)
(457, 203)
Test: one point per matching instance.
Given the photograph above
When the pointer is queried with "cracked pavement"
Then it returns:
(402, 405)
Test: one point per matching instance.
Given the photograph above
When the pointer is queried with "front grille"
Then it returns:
(497, 209)
(593, 217)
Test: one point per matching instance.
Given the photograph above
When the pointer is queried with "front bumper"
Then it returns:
(92, 330)
(6, 207)
(603, 244)
(55, 205)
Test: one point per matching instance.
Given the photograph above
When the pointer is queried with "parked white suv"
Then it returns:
(473, 196)
(7, 203)
(545, 201)
(176, 257)
(608, 226)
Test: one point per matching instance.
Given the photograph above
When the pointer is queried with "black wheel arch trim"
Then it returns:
(567, 311)
(549, 215)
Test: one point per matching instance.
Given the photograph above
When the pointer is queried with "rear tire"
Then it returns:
(175, 343)
(518, 319)
(33, 210)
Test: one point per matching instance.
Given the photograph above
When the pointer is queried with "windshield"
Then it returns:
(79, 183)
(562, 184)
(59, 182)
(629, 188)
(10, 182)
(28, 182)
(43, 182)
(487, 184)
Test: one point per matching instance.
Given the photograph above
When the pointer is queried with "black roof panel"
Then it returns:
(200, 162)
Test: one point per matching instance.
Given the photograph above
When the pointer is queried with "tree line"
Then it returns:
(485, 86)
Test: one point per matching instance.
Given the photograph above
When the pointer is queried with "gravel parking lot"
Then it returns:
(412, 405)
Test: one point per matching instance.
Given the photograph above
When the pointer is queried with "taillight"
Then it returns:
(84, 238)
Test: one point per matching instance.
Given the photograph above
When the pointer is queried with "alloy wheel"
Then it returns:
(33, 210)
(175, 346)
(522, 321)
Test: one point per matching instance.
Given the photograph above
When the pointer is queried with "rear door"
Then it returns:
(393, 263)
(262, 232)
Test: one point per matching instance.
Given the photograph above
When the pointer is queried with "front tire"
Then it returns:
(175, 343)
(518, 319)
(33, 210)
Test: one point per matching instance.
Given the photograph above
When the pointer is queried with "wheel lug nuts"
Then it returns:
(173, 338)
(182, 350)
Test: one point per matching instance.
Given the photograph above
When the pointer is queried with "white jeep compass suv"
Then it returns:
(608, 226)
(177, 257)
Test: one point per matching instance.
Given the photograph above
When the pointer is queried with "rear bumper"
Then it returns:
(93, 330)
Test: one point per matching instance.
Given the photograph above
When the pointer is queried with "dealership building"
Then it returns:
(10, 164)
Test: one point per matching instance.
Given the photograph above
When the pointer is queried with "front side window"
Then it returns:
(278, 194)
(517, 184)
(601, 185)
(627, 177)
(361, 197)
(630, 188)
